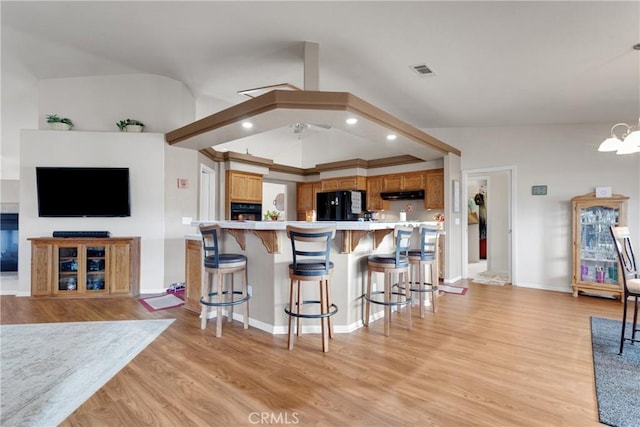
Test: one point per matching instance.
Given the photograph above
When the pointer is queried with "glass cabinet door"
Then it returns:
(68, 269)
(95, 273)
(598, 259)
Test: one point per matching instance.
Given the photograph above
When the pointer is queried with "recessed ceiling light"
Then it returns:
(247, 125)
(351, 121)
(391, 137)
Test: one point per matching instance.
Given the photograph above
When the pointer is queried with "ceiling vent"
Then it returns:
(422, 70)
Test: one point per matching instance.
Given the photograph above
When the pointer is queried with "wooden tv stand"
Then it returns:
(85, 267)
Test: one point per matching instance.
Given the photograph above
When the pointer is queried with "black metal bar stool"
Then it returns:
(630, 280)
(221, 265)
(311, 248)
(391, 265)
(419, 260)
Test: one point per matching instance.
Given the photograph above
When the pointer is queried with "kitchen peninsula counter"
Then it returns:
(349, 232)
(269, 254)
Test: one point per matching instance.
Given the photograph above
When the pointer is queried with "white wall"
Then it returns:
(98, 102)
(179, 204)
(144, 158)
(95, 104)
(453, 220)
(19, 111)
(565, 158)
(270, 191)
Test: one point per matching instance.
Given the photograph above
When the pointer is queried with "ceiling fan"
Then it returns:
(300, 127)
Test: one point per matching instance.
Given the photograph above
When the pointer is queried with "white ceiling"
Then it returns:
(496, 63)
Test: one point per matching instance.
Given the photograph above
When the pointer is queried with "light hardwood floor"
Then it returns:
(497, 356)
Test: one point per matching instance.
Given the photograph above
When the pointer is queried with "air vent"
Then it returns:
(422, 70)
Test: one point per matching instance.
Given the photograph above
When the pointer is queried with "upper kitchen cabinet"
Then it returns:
(345, 183)
(404, 181)
(306, 198)
(374, 188)
(243, 187)
(434, 189)
(413, 181)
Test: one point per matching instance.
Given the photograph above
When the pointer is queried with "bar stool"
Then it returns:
(220, 265)
(390, 265)
(630, 280)
(419, 259)
(311, 248)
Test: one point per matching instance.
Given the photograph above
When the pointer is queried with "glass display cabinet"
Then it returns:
(81, 269)
(595, 263)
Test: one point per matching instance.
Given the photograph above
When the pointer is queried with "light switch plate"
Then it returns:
(183, 183)
(539, 190)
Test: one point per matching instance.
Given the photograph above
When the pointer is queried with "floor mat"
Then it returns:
(452, 289)
(162, 302)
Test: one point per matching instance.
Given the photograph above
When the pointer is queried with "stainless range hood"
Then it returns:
(402, 195)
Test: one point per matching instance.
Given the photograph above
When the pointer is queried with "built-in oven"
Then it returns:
(246, 211)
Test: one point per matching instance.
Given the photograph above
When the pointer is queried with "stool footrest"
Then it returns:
(225, 303)
(333, 309)
(390, 303)
(431, 287)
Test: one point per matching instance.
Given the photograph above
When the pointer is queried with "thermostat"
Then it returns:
(539, 190)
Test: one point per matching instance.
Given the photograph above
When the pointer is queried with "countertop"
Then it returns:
(340, 225)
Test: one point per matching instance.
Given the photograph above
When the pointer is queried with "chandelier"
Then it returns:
(627, 143)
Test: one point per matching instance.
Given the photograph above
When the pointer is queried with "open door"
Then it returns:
(488, 232)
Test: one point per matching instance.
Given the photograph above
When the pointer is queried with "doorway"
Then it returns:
(207, 194)
(487, 237)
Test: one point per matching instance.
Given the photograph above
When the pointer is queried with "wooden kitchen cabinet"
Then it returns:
(374, 188)
(345, 183)
(85, 267)
(243, 187)
(392, 182)
(403, 181)
(193, 274)
(434, 189)
(413, 181)
(306, 198)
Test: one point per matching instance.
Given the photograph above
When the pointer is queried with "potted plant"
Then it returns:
(130, 125)
(271, 215)
(58, 123)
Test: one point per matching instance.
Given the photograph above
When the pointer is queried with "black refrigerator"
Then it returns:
(340, 205)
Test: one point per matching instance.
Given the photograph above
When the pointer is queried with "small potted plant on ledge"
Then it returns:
(130, 125)
(58, 123)
(271, 215)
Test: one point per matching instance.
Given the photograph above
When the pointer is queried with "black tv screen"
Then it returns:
(82, 192)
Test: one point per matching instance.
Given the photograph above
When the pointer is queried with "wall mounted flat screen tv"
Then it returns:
(83, 192)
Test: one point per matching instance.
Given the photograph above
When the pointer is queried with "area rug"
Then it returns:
(452, 289)
(163, 302)
(490, 278)
(617, 376)
(49, 369)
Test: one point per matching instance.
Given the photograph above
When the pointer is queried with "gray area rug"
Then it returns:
(617, 376)
(47, 370)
